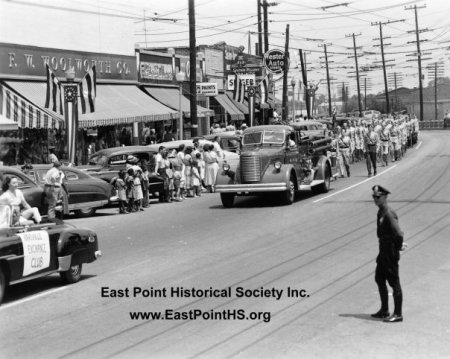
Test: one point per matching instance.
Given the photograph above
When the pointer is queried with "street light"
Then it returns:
(180, 77)
(293, 98)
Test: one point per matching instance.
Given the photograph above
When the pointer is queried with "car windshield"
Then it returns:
(264, 137)
(99, 160)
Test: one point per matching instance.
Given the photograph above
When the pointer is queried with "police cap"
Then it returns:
(379, 190)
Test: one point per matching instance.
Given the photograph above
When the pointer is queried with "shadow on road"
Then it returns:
(37, 286)
(360, 316)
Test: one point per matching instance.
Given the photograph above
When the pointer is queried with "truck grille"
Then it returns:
(250, 168)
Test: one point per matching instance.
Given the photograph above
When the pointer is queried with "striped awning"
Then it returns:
(229, 107)
(171, 98)
(122, 104)
(114, 105)
(17, 106)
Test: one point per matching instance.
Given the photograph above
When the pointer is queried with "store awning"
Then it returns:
(24, 105)
(171, 97)
(121, 104)
(7, 124)
(229, 107)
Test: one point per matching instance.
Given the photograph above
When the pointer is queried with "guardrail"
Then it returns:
(434, 125)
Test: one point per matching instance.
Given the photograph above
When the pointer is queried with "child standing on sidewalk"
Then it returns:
(121, 192)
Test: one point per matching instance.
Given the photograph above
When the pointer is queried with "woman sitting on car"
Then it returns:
(12, 196)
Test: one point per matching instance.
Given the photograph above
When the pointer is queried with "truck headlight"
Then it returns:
(277, 165)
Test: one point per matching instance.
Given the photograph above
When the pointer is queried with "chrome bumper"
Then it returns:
(262, 187)
(251, 188)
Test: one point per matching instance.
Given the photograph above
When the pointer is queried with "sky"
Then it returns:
(116, 27)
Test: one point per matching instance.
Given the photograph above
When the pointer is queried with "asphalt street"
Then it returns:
(324, 247)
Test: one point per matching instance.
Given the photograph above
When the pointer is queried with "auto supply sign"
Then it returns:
(36, 251)
(274, 61)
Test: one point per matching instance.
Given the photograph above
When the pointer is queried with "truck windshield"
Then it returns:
(264, 137)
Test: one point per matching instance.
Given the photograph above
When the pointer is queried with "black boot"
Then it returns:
(348, 170)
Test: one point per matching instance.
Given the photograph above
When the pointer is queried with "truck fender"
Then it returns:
(272, 175)
(321, 166)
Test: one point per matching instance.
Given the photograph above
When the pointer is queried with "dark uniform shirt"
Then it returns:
(390, 237)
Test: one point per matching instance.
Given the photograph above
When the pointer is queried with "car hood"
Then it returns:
(90, 168)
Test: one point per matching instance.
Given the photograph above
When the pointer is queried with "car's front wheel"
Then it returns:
(73, 275)
(227, 199)
(86, 212)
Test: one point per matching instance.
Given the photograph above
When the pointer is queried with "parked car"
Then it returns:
(86, 193)
(107, 163)
(228, 140)
(31, 252)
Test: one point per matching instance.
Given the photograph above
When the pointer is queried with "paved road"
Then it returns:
(325, 245)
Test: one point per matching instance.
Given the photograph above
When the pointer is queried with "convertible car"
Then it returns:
(29, 252)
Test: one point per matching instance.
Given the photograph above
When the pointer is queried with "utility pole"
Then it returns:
(265, 5)
(419, 59)
(285, 112)
(305, 82)
(266, 26)
(357, 72)
(260, 41)
(382, 58)
(193, 70)
(328, 78)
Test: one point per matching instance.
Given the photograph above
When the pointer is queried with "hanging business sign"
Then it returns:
(274, 61)
(207, 88)
(248, 79)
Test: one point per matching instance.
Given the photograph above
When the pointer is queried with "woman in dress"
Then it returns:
(212, 167)
(12, 196)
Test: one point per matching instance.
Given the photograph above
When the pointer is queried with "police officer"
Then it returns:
(390, 243)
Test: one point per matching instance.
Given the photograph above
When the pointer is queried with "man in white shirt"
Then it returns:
(53, 182)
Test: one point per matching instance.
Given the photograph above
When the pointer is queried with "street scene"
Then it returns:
(224, 179)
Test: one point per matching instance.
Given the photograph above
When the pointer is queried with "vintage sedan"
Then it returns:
(86, 193)
(38, 250)
(106, 164)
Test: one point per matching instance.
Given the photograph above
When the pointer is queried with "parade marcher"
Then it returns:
(53, 183)
(384, 138)
(395, 142)
(180, 156)
(12, 196)
(371, 140)
(390, 244)
(344, 148)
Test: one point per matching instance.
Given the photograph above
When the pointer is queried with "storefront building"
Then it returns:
(29, 129)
